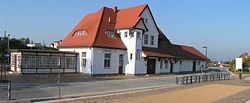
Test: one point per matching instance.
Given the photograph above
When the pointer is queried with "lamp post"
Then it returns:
(205, 47)
(8, 51)
(43, 45)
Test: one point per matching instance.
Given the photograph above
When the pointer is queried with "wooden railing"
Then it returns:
(197, 78)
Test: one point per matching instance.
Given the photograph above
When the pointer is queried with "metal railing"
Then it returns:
(197, 78)
(3, 70)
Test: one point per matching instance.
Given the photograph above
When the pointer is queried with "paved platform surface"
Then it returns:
(21, 91)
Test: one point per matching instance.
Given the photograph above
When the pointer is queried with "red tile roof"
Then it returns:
(96, 24)
(175, 51)
(90, 24)
(129, 17)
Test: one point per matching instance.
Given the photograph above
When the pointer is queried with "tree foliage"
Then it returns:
(13, 44)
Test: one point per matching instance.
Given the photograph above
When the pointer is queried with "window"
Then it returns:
(131, 56)
(121, 60)
(145, 39)
(125, 34)
(46, 61)
(39, 62)
(84, 59)
(110, 34)
(138, 54)
(79, 33)
(55, 62)
(70, 62)
(145, 20)
(152, 40)
(161, 64)
(107, 59)
(131, 33)
(166, 64)
(138, 35)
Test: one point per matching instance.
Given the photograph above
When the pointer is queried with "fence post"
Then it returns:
(191, 79)
(183, 80)
(199, 78)
(177, 82)
(213, 76)
(1, 68)
(186, 79)
(206, 77)
(195, 78)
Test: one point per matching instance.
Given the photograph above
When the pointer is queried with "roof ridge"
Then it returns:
(182, 45)
(99, 24)
(134, 6)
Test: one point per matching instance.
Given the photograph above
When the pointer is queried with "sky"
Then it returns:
(221, 25)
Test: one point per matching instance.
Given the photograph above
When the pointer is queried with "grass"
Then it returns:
(237, 72)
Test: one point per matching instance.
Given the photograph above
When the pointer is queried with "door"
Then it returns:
(151, 66)
(120, 64)
(194, 66)
(171, 67)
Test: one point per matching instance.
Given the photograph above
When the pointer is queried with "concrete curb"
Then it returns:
(111, 93)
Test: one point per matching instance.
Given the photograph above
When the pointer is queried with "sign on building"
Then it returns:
(238, 63)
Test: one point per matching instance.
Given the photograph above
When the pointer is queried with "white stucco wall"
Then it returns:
(186, 65)
(134, 47)
(165, 70)
(152, 29)
(98, 60)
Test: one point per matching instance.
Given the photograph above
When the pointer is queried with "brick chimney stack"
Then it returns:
(115, 9)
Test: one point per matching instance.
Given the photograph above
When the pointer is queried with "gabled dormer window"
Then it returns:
(145, 20)
(110, 34)
(80, 33)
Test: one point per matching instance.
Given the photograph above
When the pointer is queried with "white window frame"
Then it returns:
(152, 38)
(84, 59)
(145, 41)
(138, 54)
(125, 34)
(166, 64)
(138, 34)
(161, 64)
(107, 60)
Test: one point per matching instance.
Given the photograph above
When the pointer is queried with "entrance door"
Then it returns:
(171, 67)
(151, 66)
(120, 63)
(194, 66)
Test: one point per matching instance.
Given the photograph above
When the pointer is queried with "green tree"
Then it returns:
(232, 65)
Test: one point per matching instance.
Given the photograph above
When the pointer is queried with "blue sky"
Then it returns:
(222, 25)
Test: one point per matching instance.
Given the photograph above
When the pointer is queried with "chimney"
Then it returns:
(115, 9)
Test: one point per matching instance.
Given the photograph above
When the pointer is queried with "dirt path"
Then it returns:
(203, 94)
